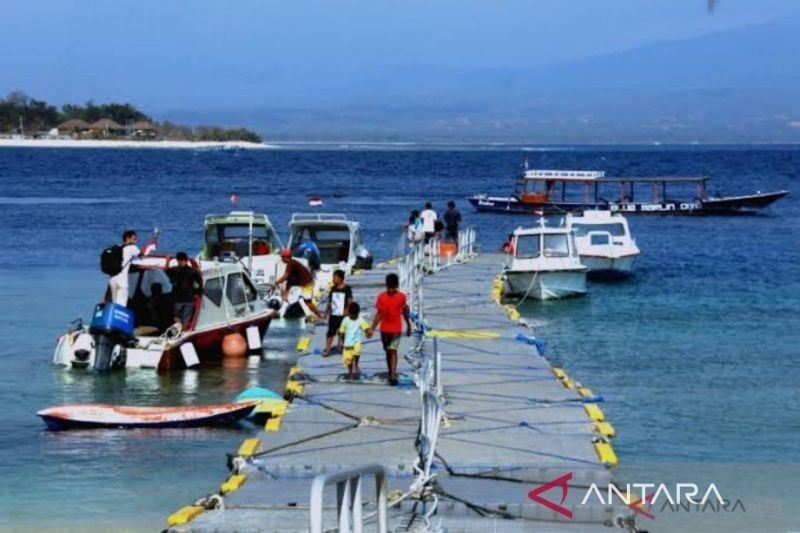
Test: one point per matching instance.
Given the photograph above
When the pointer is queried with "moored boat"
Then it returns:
(560, 191)
(543, 263)
(337, 241)
(605, 244)
(98, 415)
(143, 335)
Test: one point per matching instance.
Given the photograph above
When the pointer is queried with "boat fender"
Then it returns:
(253, 338)
(189, 355)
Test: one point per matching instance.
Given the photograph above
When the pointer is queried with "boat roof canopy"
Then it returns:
(238, 217)
(563, 175)
(319, 217)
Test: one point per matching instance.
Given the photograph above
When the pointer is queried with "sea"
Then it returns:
(697, 356)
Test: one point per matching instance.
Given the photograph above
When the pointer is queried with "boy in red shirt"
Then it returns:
(390, 310)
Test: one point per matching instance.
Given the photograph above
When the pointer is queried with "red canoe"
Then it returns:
(99, 415)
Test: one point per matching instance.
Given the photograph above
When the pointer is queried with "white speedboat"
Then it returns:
(142, 334)
(337, 240)
(604, 244)
(543, 263)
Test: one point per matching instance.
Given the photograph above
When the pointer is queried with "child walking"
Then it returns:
(353, 328)
(338, 303)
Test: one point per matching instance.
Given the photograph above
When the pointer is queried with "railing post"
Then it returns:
(343, 505)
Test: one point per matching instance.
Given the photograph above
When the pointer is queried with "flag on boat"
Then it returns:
(234, 199)
(314, 201)
(152, 244)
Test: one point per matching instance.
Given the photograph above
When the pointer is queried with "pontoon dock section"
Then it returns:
(479, 421)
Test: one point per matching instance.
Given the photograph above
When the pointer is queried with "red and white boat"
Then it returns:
(142, 335)
(99, 415)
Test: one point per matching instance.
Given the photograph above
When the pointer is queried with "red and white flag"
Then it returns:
(152, 244)
(315, 201)
(234, 199)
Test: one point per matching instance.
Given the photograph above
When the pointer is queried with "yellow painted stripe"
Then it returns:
(273, 424)
(184, 515)
(295, 370)
(295, 388)
(303, 344)
(594, 412)
(568, 383)
(606, 453)
(273, 407)
(249, 446)
(605, 429)
(233, 483)
(584, 392)
(559, 373)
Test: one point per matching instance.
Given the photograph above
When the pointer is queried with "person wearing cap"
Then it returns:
(297, 275)
(186, 285)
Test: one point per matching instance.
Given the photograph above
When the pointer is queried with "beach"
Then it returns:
(164, 145)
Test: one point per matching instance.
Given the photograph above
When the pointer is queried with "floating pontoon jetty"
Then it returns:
(480, 419)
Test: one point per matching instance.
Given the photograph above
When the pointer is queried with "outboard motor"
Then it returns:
(112, 328)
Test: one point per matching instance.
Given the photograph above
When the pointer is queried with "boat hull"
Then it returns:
(96, 416)
(545, 285)
(739, 205)
(609, 268)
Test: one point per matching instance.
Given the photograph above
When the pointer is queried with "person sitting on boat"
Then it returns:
(186, 285)
(508, 246)
(118, 283)
(297, 277)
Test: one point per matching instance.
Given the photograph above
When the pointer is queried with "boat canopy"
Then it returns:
(563, 175)
(242, 233)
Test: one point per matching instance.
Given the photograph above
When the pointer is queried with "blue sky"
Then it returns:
(169, 55)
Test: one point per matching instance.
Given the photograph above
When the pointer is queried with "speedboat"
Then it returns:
(248, 238)
(543, 263)
(143, 334)
(338, 243)
(605, 244)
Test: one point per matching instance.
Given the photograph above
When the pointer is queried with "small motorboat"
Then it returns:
(543, 263)
(143, 334)
(99, 415)
(338, 242)
(246, 237)
(605, 244)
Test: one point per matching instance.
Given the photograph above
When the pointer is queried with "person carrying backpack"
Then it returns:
(116, 262)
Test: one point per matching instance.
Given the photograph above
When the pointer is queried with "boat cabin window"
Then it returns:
(239, 290)
(212, 291)
(596, 239)
(556, 245)
(225, 239)
(615, 229)
(527, 246)
(333, 243)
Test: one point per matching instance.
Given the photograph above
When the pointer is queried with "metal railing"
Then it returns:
(349, 502)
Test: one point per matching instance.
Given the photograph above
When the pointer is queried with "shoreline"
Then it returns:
(168, 145)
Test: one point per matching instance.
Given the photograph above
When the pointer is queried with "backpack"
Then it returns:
(111, 260)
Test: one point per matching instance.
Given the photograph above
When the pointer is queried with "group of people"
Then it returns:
(186, 282)
(425, 225)
(346, 324)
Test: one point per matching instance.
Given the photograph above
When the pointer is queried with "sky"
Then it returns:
(204, 56)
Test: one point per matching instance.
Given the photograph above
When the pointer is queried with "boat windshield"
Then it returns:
(556, 245)
(333, 243)
(616, 229)
(527, 246)
(222, 238)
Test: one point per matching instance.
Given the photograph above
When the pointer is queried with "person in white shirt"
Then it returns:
(119, 283)
(429, 218)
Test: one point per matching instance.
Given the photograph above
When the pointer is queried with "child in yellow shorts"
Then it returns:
(353, 328)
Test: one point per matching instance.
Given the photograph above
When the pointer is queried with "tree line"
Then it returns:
(38, 115)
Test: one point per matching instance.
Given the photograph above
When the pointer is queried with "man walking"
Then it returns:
(390, 310)
(452, 218)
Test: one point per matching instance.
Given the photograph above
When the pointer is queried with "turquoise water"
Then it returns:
(696, 355)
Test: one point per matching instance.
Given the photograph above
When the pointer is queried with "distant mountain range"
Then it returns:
(732, 86)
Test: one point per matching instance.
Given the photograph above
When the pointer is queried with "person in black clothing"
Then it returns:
(452, 218)
(338, 303)
(186, 284)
